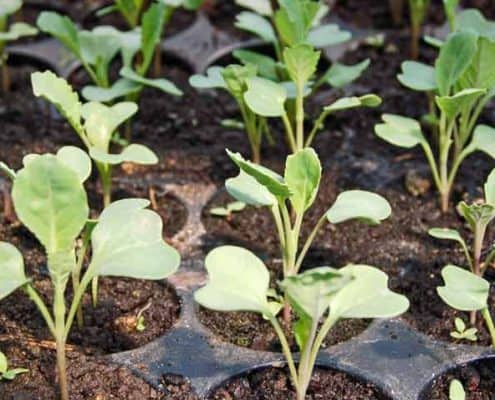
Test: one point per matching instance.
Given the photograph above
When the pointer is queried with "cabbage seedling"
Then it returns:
(459, 91)
(463, 333)
(10, 33)
(239, 281)
(97, 49)
(228, 210)
(465, 291)
(5, 372)
(50, 201)
(100, 123)
(261, 98)
(289, 198)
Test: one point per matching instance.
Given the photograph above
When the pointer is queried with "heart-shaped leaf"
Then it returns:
(265, 98)
(121, 88)
(340, 75)
(135, 153)
(261, 7)
(417, 76)
(368, 100)
(256, 24)
(248, 190)
(463, 290)
(484, 140)
(128, 242)
(212, 79)
(237, 281)
(327, 35)
(368, 207)
(12, 275)
(400, 131)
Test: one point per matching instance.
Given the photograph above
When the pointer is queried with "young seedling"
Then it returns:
(50, 201)
(459, 86)
(10, 33)
(461, 333)
(417, 12)
(465, 291)
(100, 124)
(228, 210)
(97, 49)
(239, 281)
(456, 390)
(261, 98)
(290, 197)
(5, 372)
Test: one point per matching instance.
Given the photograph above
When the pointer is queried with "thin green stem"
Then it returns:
(317, 126)
(45, 313)
(305, 369)
(289, 133)
(76, 300)
(432, 162)
(309, 242)
(322, 334)
(286, 350)
(59, 312)
(489, 324)
(300, 117)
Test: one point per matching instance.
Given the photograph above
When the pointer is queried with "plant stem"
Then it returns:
(305, 366)
(289, 132)
(300, 118)
(479, 234)
(489, 323)
(59, 312)
(76, 274)
(286, 351)
(45, 313)
(308, 242)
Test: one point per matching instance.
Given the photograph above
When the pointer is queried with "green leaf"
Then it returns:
(101, 121)
(400, 131)
(302, 176)
(459, 325)
(9, 7)
(267, 66)
(12, 275)
(98, 47)
(367, 296)
(447, 234)
(484, 140)
(121, 88)
(128, 242)
(368, 207)
(256, 24)
(455, 57)
(301, 62)
(58, 92)
(340, 75)
(135, 153)
(456, 390)
(273, 182)
(212, 79)
(236, 76)
(61, 28)
(480, 73)
(4, 364)
(463, 290)
(490, 188)
(18, 30)
(261, 7)
(476, 214)
(236, 206)
(417, 76)
(327, 35)
(152, 23)
(368, 100)
(246, 189)
(219, 212)
(237, 281)
(12, 373)
(294, 20)
(472, 20)
(265, 98)
(452, 106)
(77, 160)
(162, 84)
(50, 201)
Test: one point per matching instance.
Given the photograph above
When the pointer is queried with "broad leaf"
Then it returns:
(456, 391)
(121, 88)
(267, 66)
(162, 84)
(484, 140)
(327, 35)
(368, 207)
(265, 98)
(266, 177)
(480, 73)
(472, 20)
(340, 75)
(98, 47)
(237, 281)
(400, 131)
(256, 24)
(262, 7)
(417, 76)
(236, 77)
(476, 214)
(58, 92)
(367, 296)
(447, 234)
(135, 153)
(12, 275)
(301, 62)
(18, 30)
(248, 190)
(50, 201)
(490, 188)
(128, 242)
(302, 176)
(9, 7)
(62, 28)
(212, 79)
(77, 160)
(151, 33)
(452, 106)
(463, 290)
(368, 100)
(455, 57)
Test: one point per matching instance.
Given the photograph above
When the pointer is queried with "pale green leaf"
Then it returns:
(98, 47)
(212, 79)
(340, 75)
(472, 20)
(62, 28)
(452, 106)
(267, 66)
(77, 160)
(417, 76)
(9, 7)
(162, 84)
(447, 234)
(12, 275)
(134, 153)
(152, 23)
(301, 62)
(261, 7)
(484, 140)
(327, 35)
(400, 131)
(4, 364)
(490, 188)
(456, 390)
(18, 30)
(121, 88)
(265, 98)
(256, 24)
(368, 100)
(248, 190)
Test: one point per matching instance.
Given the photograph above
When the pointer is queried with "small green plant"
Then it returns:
(261, 98)
(5, 372)
(465, 291)
(10, 33)
(97, 49)
(289, 198)
(239, 281)
(100, 124)
(459, 87)
(461, 333)
(228, 210)
(126, 241)
(417, 11)
(456, 390)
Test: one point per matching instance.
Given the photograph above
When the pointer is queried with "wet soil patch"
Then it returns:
(274, 384)
(477, 378)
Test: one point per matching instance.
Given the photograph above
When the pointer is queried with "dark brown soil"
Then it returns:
(274, 384)
(478, 380)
